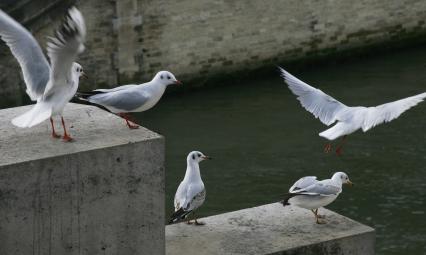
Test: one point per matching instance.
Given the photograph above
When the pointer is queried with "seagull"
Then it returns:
(130, 98)
(191, 192)
(349, 119)
(51, 86)
(311, 194)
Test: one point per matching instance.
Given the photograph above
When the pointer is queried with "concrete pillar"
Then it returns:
(271, 229)
(102, 194)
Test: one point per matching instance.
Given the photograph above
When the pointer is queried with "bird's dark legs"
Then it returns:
(327, 147)
(339, 149)
(54, 135)
(318, 217)
(66, 137)
(130, 123)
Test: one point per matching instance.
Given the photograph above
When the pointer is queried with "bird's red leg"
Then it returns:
(66, 137)
(327, 147)
(54, 135)
(129, 123)
(339, 149)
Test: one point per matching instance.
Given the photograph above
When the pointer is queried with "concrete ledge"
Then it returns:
(102, 194)
(271, 229)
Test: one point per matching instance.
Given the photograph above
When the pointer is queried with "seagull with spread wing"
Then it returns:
(347, 119)
(311, 194)
(51, 86)
(191, 192)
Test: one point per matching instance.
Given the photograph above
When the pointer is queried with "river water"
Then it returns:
(262, 141)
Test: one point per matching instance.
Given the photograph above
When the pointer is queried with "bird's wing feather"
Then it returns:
(64, 47)
(27, 51)
(303, 183)
(126, 100)
(117, 88)
(195, 196)
(321, 105)
(180, 196)
(321, 188)
(389, 111)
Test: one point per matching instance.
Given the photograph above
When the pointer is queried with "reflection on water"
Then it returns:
(262, 141)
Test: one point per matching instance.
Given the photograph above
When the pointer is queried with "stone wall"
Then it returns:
(101, 194)
(130, 40)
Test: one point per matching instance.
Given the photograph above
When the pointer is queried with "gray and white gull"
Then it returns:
(131, 98)
(347, 119)
(51, 86)
(311, 194)
(191, 193)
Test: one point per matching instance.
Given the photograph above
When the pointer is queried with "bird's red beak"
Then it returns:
(178, 82)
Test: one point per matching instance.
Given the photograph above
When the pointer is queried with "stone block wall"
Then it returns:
(130, 40)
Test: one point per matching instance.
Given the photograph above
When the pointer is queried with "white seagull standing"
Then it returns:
(51, 86)
(349, 119)
(131, 98)
(191, 192)
(311, 194)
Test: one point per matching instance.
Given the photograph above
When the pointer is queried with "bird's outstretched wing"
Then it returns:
(64, 47)
(321, 105)
(27, 51)
(389, 111)
(303, 183)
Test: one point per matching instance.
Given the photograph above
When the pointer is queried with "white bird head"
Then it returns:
(166, 78)
(196, 156)
(342, 177)
(77, 70)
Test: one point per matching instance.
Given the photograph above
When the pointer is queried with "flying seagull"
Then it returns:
(191, 192)
(349, 119)
(311, 194)
(51, 86)
(131, 98)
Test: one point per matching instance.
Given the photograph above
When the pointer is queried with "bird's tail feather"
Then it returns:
(334, 132)
(79, 99)
(39, 113)
(178, 215)
(286, 198)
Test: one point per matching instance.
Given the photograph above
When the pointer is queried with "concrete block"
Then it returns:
(102, 194)
(271, 229)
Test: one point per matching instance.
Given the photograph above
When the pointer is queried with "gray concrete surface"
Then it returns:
(102, 194)
(271, 229)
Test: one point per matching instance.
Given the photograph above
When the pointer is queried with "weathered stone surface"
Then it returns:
(271, 229)
(102, 194)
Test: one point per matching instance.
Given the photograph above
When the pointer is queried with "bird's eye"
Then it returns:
(161, 76)
(193, 156)
(199, 155)
(168, 77)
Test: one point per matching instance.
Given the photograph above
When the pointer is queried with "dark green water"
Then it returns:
(262, 141)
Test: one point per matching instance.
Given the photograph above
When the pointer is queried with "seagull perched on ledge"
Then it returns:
(191, 192)
(130, 98)
(52, 86)
(349, 119)
(311, 194)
